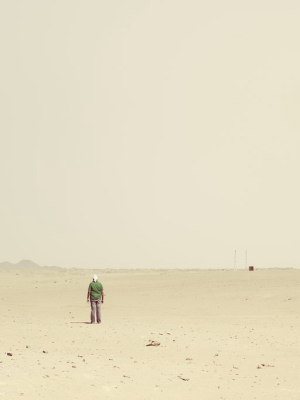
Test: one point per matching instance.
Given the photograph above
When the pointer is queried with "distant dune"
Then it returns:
(23, 264)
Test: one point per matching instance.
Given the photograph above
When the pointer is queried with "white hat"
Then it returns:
(95, 278)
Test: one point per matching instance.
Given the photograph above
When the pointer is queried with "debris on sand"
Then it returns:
(9, 354)
(153, 343)
(265, 365)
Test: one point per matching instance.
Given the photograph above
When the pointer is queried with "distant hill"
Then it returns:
(27, 264)
(22, 264)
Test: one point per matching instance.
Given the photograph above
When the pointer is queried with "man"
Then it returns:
(96, 296)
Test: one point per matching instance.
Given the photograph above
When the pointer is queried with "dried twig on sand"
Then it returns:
(183, 379)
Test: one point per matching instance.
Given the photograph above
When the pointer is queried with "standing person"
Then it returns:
(95, 295)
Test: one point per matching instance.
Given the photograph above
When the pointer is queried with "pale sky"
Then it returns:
(158, 134)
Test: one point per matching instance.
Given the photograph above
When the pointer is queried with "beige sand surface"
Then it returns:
(223, 335)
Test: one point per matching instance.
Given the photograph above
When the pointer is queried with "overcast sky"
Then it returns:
(138, 133)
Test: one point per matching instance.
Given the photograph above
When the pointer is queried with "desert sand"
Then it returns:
(222, 334)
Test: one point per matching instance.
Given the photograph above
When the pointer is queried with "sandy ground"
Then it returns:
(222, 334)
